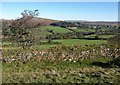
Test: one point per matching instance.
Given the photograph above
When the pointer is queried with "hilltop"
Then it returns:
(45, 21)
(34, 21)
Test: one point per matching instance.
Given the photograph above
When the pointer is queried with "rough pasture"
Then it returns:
(63, 64)
(67, 53)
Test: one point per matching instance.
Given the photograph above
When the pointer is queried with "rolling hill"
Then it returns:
(33, 21)
(112, 23)
(45, 21)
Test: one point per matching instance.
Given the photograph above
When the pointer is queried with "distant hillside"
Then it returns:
(103, 23)
(34, 21)
(114, 23)
(44, 21)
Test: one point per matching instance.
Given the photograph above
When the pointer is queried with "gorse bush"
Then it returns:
(115, 41)
(116, 61)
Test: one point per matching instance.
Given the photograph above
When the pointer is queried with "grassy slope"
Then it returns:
(57, 29)
(50, 72)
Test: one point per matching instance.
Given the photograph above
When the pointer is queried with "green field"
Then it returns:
(64, 42)
(80, 42)
(100, 36)
(71, 42)
(106, 36)
(57, 29)
(84, 30)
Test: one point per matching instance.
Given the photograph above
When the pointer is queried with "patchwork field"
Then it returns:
(69, 42)
(80, 44)
(75, 59)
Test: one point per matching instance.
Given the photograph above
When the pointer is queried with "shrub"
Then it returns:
(116, 61)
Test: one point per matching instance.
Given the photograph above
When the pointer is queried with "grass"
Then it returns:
(84, 30)
(100, 36)
(44, 47)
(106, 36)
(80, 42)
(57, 29)
(64, 42)
(0, 72)
(89, 75)
(59, 72)
(5, 43)
(71, 42)
(36, 65)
